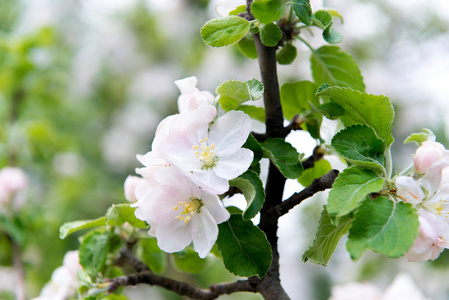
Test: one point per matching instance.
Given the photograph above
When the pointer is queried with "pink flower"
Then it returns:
(130, 186)
(191, 97)
(180, 212)
(12, 180)
(428, 155)
(432, 238)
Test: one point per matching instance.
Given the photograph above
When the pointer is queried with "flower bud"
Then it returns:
(428, 155)
(11, 181)
(130, 186)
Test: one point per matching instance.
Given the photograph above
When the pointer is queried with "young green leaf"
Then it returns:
(350, 188)
(303, 10)
(327, 237)
(237, 10)
(331, 110)
(232, 93)
(332, 36)
(267, 11)
(247, 46)
(252, 188)
(71, 227)
(118, 214)
(270, 34)
(295, 97)
(253, 145)
(287, 54)
(93, 251)
(325, 18)
(421, 137)
(320, 168)
(362, 108)
(151, 255)
(244, 247)
(284, 156)
(332, 65)
(384, 226)
(359, 145)
(255, 88)
(224, 31)
(188, 261)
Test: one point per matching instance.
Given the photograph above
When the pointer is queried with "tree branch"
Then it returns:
(318, 153)
(318, 185)
(144, 275)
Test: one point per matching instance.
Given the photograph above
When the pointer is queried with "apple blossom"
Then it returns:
(64, 280)
(12, 180)
(428, 155)
(213, 155)
(403, 288)
(180, 212)
(191, 97)
(432, 238)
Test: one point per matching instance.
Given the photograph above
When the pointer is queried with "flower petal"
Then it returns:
(173, 235)
(207, 179)
(215, 207)
(231, 166)
(409, 190)
(204, 232)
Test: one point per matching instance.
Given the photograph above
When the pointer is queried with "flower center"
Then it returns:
(189, 209)
(205, 153)
(439, 208)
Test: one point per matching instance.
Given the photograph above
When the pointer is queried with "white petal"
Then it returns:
(215, 207)
(204, 232)
(409, 190)
(173, 235)
(403, 287)
(209, 181)
(230, 132)
(231, 166)
(187, 85)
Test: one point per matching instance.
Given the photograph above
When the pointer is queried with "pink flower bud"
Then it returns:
(428, 155)
(130, 186)
(11, 181)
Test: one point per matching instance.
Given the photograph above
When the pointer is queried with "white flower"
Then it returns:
(432, 238)
(428, 155)
(191, 97)
(213, 155)
(180, 212)
(64, 281)
(130, 187)
(12, 180)
(409, 190)
(403, 288)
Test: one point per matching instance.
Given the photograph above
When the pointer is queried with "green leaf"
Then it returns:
(267, 11)
(232, 93)
(255, 88)
(327, 237)
(224, 31)
(331, 110)
(71, 227)
(359, 145)
(284, 156)
(14, 227)
(188, 261)
(270, 34)
(118, 214)
(303, 10)
(325, 18)
(332, 36)
(244, 247)
(350, 188)
(253, 145)
(150, 254)
(247, 46)
(362, 108)
(255, 112)
(252, 188)
(93, 252)
(335, 13)
(332, 65)
(237, 10)
(320, 168)
(419, 138)
(295, 97)
(383, 226)
(287, 54)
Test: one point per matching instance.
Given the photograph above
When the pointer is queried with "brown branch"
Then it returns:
(318, 153)
(320, 184)
(144, 275)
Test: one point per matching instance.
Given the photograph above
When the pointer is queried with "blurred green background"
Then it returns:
(84, 83)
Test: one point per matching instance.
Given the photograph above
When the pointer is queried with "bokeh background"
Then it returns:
(84, 83)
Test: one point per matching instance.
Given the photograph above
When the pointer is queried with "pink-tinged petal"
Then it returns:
(172, 234)
(234, 165)
(403, 287)
(130, 187)
(409, 190)
(433, 177)
(427, 155)
(178, 183)
(209, 181)
(438, 204)
(230, 132)
(215, 207)
(187, 85)
(204, 232)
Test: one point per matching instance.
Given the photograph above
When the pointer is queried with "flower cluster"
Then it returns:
(64, 280)
(194, 155)
(428, 191)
